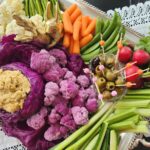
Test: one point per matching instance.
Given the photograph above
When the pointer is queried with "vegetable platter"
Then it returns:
(70, 77)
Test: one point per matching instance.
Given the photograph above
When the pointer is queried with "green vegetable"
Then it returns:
(95, 40)
(94, 129)
(111, 26)
(91, 49)
(89, 56)
(113, 140)
(92, 143)
(31, 8)
(85, 128)
(144, 112)
(119, 117)
(139, 92)
(112, 50)
(101, 136)
(106, 25)
(133, 104)
(26, 7)
(112, 37)
(39, 7)
(123, 125)
(98, 25)
(144, 43)
(106, 142)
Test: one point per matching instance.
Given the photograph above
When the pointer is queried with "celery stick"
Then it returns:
(105, 145)
(134, 118)
(138, 129)
(136, 97)
(123, 125)
(138, 104)
(84, 128)
(121, 116)
(143, 123)
(80, 142)
(92, 143)
(101, 136)
(113, 140)
(144, 112)
(140, 91)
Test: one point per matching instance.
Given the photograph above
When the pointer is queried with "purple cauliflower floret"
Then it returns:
(59, 55)
(83, 94)
(78, 101)
(80, 115)
(51, 88)
(69, 89)
(36, 121)
(91, 92)
(70, 76)
(43, 112)
(83, 81)
(92, 105)
(64, 131)
(53, 133)
(54, 74)
(53, 117)
(62, 108)
(68, 122)
(42, 61)
(49, 100)
(60, 100)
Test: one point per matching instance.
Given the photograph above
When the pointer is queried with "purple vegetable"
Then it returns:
(7, 39)
(78, 101)
(80, 115)
(64, 131)
(59, 55)
(54, 74)
(42, 61)
(34, 99)
(91, 92)
(53, 133)
(83, 81)
(62, 108)
(92, 105)
(51, 88)
(37, 121)
(83, 94)
(15, 52)
(75, 64)
(49, 100)
(69, 89)
(70, 76)
(53, 117)
(68, 122)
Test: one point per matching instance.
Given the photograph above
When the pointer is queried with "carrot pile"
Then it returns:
(78, 29)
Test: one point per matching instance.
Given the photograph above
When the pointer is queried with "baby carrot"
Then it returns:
(84, 24)
(71, 45)
(85, 40)
(79, 18)
(66, 40)
(89, 19)
(90, 27)
(75, 14)
(68, 27)
(71, 9)
(76, 47)
(76, 29)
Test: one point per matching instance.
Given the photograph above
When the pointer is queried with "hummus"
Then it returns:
(14, 87)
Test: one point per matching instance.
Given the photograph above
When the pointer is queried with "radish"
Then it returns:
(132, 70)
(125, 54)
(139, 83)
(141, 57)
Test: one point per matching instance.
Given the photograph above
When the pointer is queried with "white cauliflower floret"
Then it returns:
(8, 8)
(39, 23)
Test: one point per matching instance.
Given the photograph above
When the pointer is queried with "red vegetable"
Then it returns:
(125, 54)
(141, 57)
(131, 70)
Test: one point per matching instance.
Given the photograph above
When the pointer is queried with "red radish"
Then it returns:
(125, 54)
(131, 70)
(139, 84)
(141, 57)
